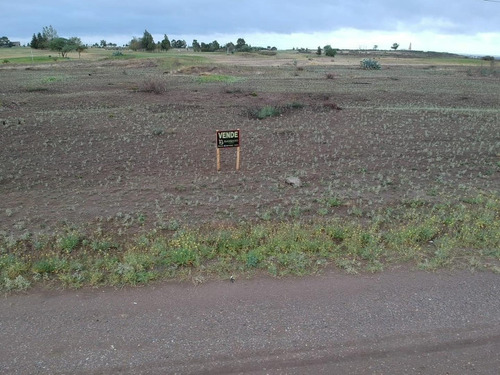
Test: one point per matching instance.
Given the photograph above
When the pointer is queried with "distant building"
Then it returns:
(15, 44)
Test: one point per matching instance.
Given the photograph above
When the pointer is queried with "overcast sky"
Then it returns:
(462, 26)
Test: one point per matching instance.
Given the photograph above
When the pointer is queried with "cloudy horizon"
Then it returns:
(467, 27)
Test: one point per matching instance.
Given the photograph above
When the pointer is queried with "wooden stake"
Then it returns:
(218, 159)
(238, 158)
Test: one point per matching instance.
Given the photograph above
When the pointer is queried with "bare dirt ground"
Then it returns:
(399, 322)
(81, 143)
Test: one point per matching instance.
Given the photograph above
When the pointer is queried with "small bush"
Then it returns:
(154, 86)
(69, 243)
(20, 283)
(264, 112)
(117, 54)
(370, 64)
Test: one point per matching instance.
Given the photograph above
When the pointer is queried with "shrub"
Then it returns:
(370, 64)
(329, 51)
(154, 86)
(69, 242)
(264, 112)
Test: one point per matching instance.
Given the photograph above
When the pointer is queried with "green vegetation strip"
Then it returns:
(211, 78)
(464, 234)
(32, 60)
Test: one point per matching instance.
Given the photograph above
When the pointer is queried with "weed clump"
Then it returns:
(264, 112)
(370, 64)
(273, 110)
(153, 86)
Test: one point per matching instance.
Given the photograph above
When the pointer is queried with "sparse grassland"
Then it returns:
(103, 183)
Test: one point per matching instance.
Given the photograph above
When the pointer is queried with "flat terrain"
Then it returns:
(82, 141)
(398, 322)
(108, 178)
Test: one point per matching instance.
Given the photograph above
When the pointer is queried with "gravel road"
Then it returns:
(396, 322)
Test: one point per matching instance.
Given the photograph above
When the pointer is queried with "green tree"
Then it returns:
(42, 42)
(196, 46)
(240, 44)
(165, 43)
(178, 43)
(214, 46)
(135, 44)
(5, 42)
(230, 47)
(329, 51)
(61, 45)
(319, 51)
(147, 41)
(78, 45)
(103, 44)
(34, 42)
(395, 46)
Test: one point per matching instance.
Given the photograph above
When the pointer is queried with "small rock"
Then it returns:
(294, 181)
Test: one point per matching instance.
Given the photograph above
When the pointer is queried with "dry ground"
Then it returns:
(81, 142)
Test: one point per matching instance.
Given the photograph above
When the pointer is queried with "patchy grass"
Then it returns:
(34, 60)
(465, 235)
(109, 187)
(218, 78)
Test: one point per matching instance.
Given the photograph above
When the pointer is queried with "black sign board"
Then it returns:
(228, 138)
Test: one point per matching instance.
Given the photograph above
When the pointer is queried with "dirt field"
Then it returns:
(83, 142)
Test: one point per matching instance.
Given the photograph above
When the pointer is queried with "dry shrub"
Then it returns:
(154, 85)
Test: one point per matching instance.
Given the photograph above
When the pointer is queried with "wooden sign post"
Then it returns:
(227, 139)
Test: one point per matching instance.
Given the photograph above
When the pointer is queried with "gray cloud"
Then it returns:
(101, 17)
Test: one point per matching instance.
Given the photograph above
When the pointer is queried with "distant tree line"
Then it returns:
(48, 38)
(147, 43)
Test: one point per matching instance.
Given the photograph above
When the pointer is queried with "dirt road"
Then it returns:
(396, 322)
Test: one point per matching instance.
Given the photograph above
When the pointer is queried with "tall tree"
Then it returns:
(34, 42)
(196, 46)
(49, 33)
(214, 46)
(165, 43)
(147, 41)
(42, 42)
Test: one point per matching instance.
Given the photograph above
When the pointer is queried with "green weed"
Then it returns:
(217, 78)
(430, 237)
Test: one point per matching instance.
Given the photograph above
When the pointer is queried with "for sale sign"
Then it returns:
(228, 138)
